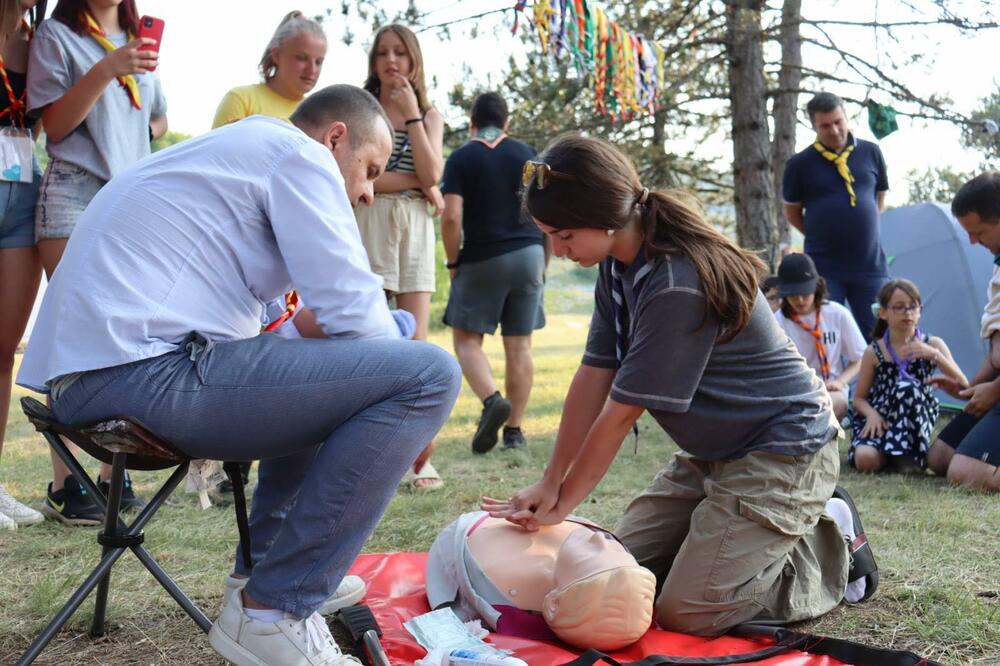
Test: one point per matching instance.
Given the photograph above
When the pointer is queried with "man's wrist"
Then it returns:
(450, 265)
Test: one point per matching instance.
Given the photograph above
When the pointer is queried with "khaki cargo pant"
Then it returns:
(732, 541)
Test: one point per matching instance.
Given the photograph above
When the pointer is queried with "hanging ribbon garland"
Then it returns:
(625, 70)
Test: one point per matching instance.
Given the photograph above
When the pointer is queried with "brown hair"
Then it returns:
(416, 77)
(885, 295)
(819, 297)
(294, 22)
(70, 12)
(604, 193)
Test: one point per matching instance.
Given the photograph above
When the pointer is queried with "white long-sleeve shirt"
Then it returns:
(199, 238)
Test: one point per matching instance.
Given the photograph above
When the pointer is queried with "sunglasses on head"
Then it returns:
(542, 174)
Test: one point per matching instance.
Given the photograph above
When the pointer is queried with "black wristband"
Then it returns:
(450, 265)
(413, 120)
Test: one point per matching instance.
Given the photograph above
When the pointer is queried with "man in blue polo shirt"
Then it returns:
(834, 191)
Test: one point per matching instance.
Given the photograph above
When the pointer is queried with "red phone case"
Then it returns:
(152, 27)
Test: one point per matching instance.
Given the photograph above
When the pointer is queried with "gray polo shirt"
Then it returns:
(114, 135)
(716, 401)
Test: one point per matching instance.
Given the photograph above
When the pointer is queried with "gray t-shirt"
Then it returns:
(716, 401)
(115, 134)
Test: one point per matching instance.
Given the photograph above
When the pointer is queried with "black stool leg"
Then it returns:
(235, 474)
(110, 529)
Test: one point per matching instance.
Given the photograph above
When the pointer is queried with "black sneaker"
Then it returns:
(495, 412)
(513, 439)
(71, 505)
(130, 502)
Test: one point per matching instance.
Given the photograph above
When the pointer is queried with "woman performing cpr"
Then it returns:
(740, 525)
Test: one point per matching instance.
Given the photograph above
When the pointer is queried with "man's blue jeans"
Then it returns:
(335, 424)
(858, 293)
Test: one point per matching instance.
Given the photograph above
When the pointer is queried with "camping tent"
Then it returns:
(925, 244)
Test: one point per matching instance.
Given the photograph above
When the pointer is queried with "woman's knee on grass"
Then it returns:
(868, 459)
(939, 457)
(974, 474)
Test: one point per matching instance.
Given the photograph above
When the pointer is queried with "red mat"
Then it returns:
(396, 594)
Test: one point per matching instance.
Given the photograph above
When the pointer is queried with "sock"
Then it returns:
(841, 513)
(512, 428)
(264, 614)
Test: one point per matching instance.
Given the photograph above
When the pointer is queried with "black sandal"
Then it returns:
(860, 551)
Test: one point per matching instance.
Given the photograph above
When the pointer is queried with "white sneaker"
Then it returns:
(21, 514)
(288, 642)
(350, 591)
(7, 523)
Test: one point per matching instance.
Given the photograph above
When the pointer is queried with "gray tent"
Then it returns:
(925, 244)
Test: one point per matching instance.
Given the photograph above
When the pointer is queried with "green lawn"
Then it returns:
(938, 547)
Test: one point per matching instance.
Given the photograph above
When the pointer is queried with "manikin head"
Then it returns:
(602, 598)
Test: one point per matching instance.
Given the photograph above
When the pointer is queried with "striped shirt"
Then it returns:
(402, 153)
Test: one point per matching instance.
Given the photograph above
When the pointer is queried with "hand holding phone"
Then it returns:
(151, 28)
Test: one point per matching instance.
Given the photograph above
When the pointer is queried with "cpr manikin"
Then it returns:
(573, 581)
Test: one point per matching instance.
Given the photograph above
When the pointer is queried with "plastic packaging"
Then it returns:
(471, 658)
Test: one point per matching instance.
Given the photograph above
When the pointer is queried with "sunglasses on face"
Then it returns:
(542, 174)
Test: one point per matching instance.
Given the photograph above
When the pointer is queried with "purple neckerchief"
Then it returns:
(514, 621)
(895, 359)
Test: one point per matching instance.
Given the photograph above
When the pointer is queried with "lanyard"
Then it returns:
(895, 359)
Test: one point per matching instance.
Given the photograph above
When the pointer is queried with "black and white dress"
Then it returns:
(907, 404)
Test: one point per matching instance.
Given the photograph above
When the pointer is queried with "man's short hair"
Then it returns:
(823, 102)
(489, 110)
(981, 195)
(351, 105)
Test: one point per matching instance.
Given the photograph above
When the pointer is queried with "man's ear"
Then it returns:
(335, 133)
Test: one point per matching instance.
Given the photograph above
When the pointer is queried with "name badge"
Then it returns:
(17, 154)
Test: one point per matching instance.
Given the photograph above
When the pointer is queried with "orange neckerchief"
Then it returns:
(128, 81)
(817, 333)
(291, 305)
(18, 105)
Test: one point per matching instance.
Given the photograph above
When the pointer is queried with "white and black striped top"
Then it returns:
(402, 153)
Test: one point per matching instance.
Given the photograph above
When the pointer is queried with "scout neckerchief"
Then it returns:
(903, 373)
(489, 136)
(840, 161)
(18, 105)
(623, 325)
(128, 81)
(816, 332)
(291, 305)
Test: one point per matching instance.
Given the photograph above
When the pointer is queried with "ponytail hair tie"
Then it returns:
(643, 197)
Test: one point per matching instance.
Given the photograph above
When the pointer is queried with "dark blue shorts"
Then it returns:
(975, 436)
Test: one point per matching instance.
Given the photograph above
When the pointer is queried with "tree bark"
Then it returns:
(754, 188)
(785, 111)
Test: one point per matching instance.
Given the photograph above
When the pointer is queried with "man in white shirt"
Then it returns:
(155, 312)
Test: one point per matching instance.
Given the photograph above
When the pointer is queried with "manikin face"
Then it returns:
(392, 58)
(359, 166)
(802, 304)
(298, 63)
(586, 247)
(983, 232)
(831, 128)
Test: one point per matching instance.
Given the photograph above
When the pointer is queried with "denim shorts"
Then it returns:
(17, 207)
(65, 192)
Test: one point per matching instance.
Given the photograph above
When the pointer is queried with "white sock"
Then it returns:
(264, 614)
(841, 514)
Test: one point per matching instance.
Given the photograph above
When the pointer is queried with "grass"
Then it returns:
(937, 546)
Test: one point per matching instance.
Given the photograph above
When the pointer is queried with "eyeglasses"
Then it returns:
(905, 309)
(542, 174)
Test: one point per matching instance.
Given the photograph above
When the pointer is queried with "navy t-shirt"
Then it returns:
(489, 182)
(843, 240)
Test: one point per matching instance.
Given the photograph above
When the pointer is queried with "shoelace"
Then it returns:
(319, 640)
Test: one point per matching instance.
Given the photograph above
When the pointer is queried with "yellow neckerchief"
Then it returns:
(128, 81)
(840, 161)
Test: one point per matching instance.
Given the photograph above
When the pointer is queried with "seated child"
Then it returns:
(771, 292)
(895, 407)
(824, 332)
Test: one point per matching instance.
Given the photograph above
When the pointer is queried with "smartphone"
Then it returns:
(152, 27)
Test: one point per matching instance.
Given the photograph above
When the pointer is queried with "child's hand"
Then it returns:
(875, 426)
(919, 349)
(948, 385)
(129, 59)
(834, 385)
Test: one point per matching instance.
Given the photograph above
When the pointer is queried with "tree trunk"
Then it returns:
(754, 189)
(785, 111)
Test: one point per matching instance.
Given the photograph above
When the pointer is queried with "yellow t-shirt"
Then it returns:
(245, 101)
